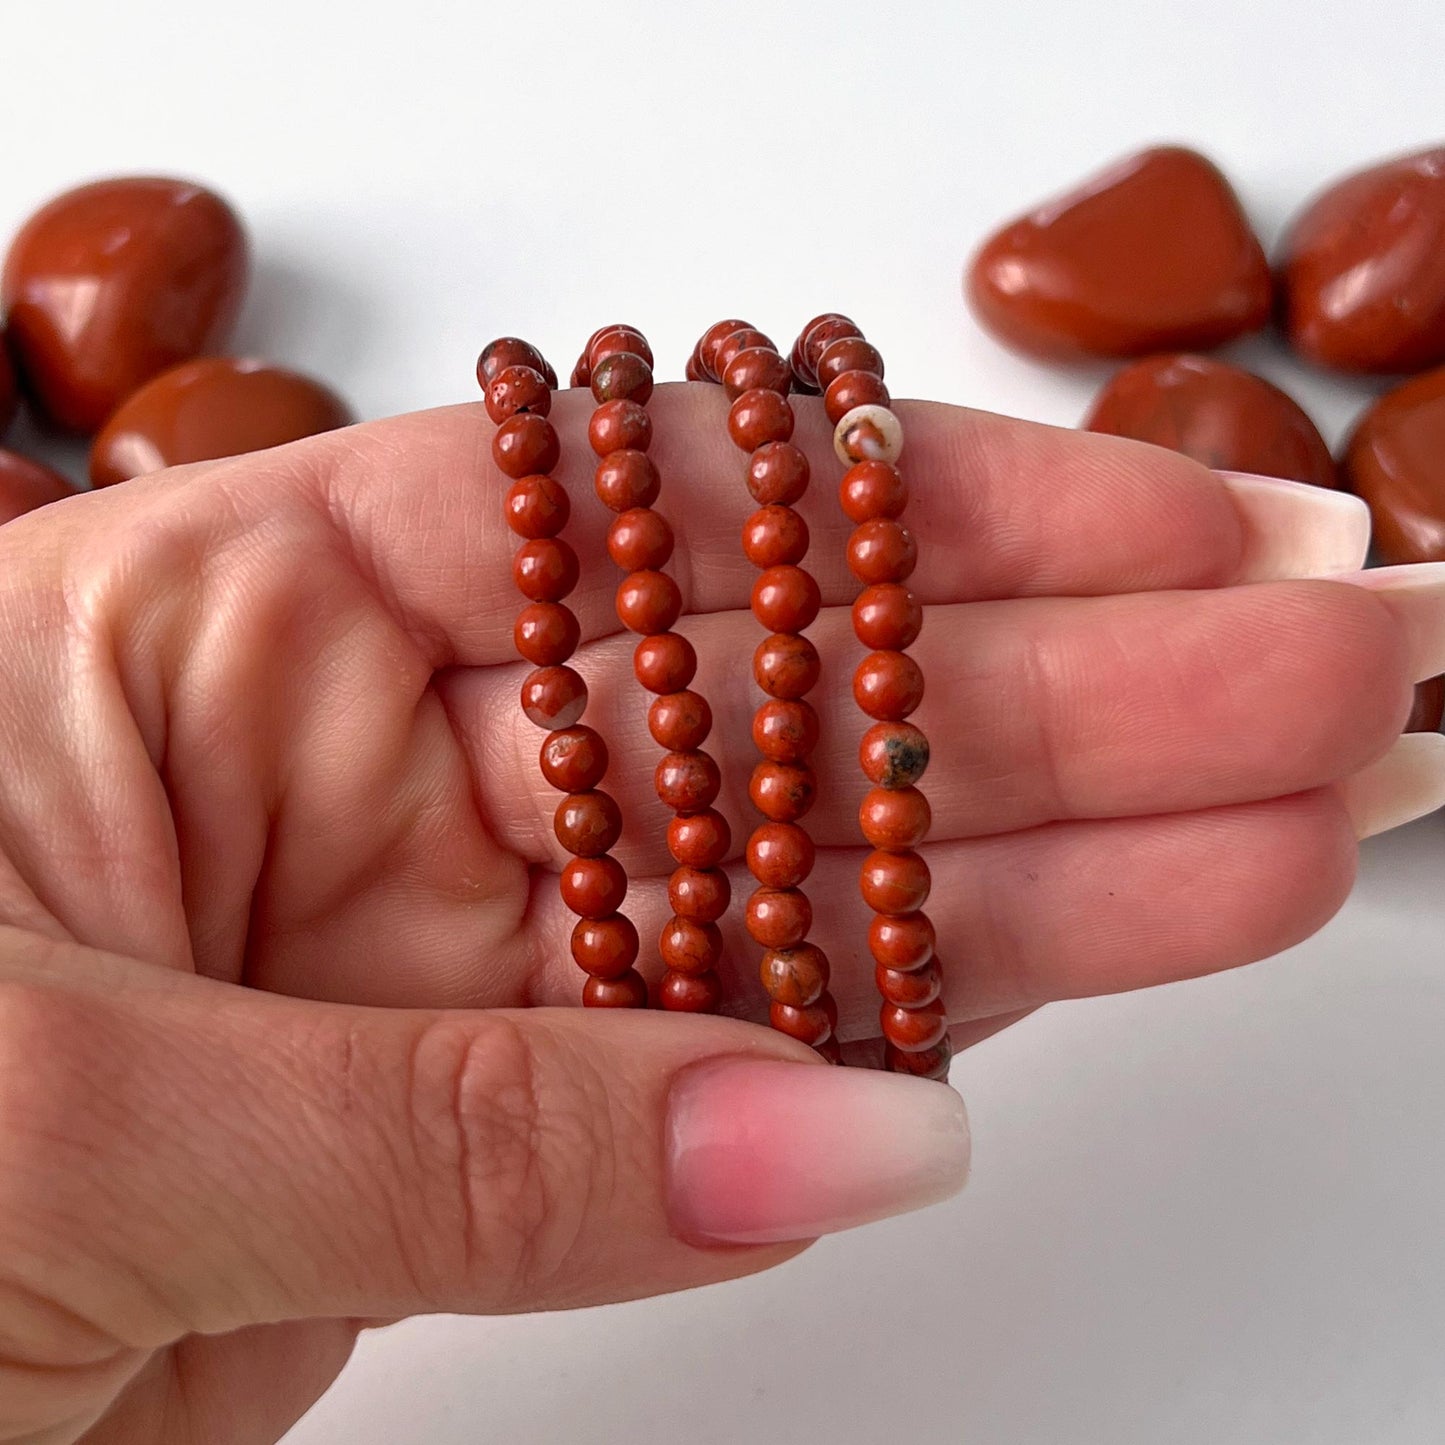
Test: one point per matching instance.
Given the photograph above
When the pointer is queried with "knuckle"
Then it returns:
(517, 1144)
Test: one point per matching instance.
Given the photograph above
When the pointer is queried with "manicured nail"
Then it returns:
(1416, 594)
(1407, 783)
(1293, 529)
(760, 1151)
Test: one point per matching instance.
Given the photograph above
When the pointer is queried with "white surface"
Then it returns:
(1202, 1215)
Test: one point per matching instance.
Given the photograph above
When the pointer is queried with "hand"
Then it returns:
(277, 874)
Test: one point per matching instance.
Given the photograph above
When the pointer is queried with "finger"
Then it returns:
(1036, 710)
(229, 1158)
(1064, 911)
(1003, 508)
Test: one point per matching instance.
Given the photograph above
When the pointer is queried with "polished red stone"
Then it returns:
(604, 947)
(1221, 415)
(780, 855)
(546, 633)
(779, 917)
(888, 685)
(1428, 708)
(619, 425)
(786, 732)
(745, 338)
(622, 376)
(648, 602)
(626, 479)
(594, 887)
(664, 663)
(587, 824)
(909, 988)
(777, 474)
(216, 407)
(688, 781)
(574, 759)
(757, 367)
(507, 351)
(887, 617)
(553, 697)
(872, 489)
(795, 976)
(894, 819)
(812, 1025)
(613, 341)
(1395, 460)
(692, 993)
(1152, 254)
(517, 388)
(893, 754)
(111, 284)
(690, 946)
(537, 507)
(882, 550)
(902, 941)
(680, 720)
(1362, 269)
(894, 882)
(545, 570)
(782, 792)
(924, 1064)
(847, 353)
(758, 417)
(914, 1030)
(786, 599)
(854, 388)
(640, 540)
(701, 894)
(786, 666)
(629, 991)
(26, 485)
(775, 536)
(710, 342)
(526, 443)
(699, 840)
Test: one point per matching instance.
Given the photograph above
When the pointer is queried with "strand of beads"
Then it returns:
(785, 600)
(518, 385)
(617, 362)
(888, 686)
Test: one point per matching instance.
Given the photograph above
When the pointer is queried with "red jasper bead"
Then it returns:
(517, 388)
(904, 943)
(629, 991)
(507, 351)
(847, 353)
(699, 840)
(786, 599)
(680, 720)
(625, 479)
(648, 602)
(664, 663)
(689, 946)
(611, 340)
(895, 883)
(622, 377)
(779, 917)
(853, 388)
(912, 989)
(757, 368)
(888, 685)
(587, 824)
(775, 536)
(524, 444)
(692, 993)
(927, 1064)
(546, 633)
(537, 507)
(545, 570)
(872, 489)
(797, 976)
(553, 697)
(574, 759)
(893, 754)
(702, 894)
(594, 887)
(756, 417)
(821, 335)
(617, 426)
(894, 819)
(887, 617)
(744, 339)
(581, 374)
(777, 474)
(693, 370)
(604, 947)
(812, 1025)
(786, 666)
(786, 732)
(712, 339)
(783, 792)
(882, 550)
(640, 540)
(780, 855)
(687, 782)
(912, 1030)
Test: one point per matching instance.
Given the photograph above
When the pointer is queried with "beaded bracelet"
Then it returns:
(888, 687)
(518, 386)
(618, 364)
(785, 600)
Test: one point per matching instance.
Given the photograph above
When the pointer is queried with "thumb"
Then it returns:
(230, 1157)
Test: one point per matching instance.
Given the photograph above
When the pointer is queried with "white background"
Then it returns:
(1201, 1215)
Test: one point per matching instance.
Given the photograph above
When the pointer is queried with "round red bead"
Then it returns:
(546, 633)
(620, 425)
(757, 417)
(912, 989)
(780, 855)
(905, 943)
(594, 887)
(553, 697)
(812, 1025)
(777, 474)
(507, 351)
(689, 946)
(853, 388)
(605, 947)
(872, 489)
(545, 570)
(640, 540)
(648, 602)
(692, 993)
(629, 991)
(894, 819)
(712, 339)
(882, 550)
(515, 389)
(680, 720)
(895, 882)
(537, 507)
(888, 685)
(743, 339)
(622, 376)
(664, 663)
(912, 1030)
(587, 824)
(702, 894)
(786, 666)
(782, 792)
(786, 599)
(821, 335)
(779, 917)
(775, 536)
(927, 1064)
(574, 759)
(699, 840)
(524, 444)
(796, 976)
(626, 478)
(687, 782)
(893, 754)
(887, 617)
(757, 368)
(847, 353)
(786, 732)
(611, 340)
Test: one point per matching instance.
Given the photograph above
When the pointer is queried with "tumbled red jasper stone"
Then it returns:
(640, 540)
(1152, 254)
(112, 283)
(779, 917)
(795, 976)
(1395, 460)
(629, 991)
(594, 887)
(587, 824)
(1363, 269)
(574, 759)
(895, 882)
(26, 485)
(775, 536)
(665, 663)
(680, 720)
(701, 894)
(605, 947)
(1220, 415)
(786, 731)
(546, 633)
(694, 993)
(786, 666)
(699, 840)
(687, 781)
(690, 946)
(780, 855)
(215, 407)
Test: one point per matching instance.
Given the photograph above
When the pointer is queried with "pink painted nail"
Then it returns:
(761, 1151)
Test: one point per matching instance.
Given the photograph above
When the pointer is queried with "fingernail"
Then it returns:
(1293, 529)
(1407, 783)
(761, 1151)
(1416, 594)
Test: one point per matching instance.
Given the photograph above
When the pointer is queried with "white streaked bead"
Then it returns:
(868, 433)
